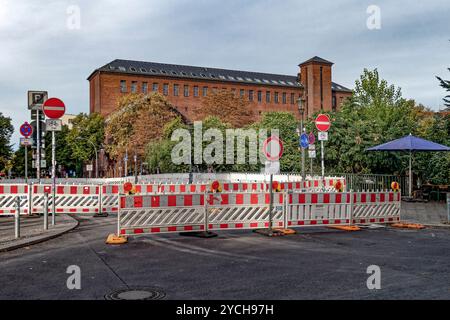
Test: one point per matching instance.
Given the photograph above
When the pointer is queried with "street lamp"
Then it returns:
(96, 155)
(301, 109)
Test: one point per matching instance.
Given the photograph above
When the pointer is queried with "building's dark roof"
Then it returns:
(317, 59)
(201, 73)
(337, 87)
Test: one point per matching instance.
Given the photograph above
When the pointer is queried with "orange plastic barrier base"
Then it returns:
(345, 228)
(286, 231)
(113, 239)
(408, 225)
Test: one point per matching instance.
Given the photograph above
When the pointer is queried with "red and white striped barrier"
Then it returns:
(68, 199)
(8, 196)
(96, 199)
(165, 213)
(149, 214)
(244, 210)
(343, 208)
(376, 207)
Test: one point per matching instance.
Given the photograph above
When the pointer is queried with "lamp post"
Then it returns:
(301, 109)
(96, 155)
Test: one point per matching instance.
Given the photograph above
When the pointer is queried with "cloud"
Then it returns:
(38, 51)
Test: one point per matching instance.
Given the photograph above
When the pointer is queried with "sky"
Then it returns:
(55, 45)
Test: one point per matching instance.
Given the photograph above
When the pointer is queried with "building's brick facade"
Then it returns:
(315, 86)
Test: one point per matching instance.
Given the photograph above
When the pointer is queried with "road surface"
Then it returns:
(313, 264)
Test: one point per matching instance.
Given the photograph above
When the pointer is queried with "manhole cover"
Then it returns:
(136, 294)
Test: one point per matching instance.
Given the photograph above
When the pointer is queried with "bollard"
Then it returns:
(46, 211)
(53, 205)
(30, 199)
(448, 207)
(17, 219)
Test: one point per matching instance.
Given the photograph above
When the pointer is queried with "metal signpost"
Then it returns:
(311, 151)
(304, 143)
(273, 150)
(323, 124)
(26, 130)
(35, 101)
(54, 109)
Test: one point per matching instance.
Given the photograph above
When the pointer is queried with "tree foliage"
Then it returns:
(446, 85)
(6, 130)
(68, 157)
(86, 130)
(226, 106)
(375, 114)
(138, 120)
(287, 125)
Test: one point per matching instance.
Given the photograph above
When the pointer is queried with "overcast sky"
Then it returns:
(39, 51)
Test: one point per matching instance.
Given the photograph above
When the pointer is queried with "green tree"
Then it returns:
(375, 114)
(287, 125)
(138, 120)
(66, 159)
(446, 85)
(18, 162)
(159, 152)
(6, 130)
(86, 130)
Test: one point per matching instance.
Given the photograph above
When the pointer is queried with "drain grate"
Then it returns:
(136, 294)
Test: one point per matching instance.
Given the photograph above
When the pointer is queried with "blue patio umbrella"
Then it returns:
(412, 144)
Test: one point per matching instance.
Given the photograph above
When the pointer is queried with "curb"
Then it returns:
(431, 225)
(20, 243)
(437, 226)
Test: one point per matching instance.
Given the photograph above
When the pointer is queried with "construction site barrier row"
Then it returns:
(104, 198)
(150, 214)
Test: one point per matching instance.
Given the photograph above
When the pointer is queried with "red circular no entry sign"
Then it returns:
(54, 108)
(273, 148)
(323, 122)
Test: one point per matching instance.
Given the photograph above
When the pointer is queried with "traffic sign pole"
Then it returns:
(26, 130)
(323, 124)
(322, 156)
(26, 164)
(54, 109)
(38, 148)
(53, 178)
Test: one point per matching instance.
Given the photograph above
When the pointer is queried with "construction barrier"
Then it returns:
(318, 209)
(376, 207)
(149, 214)
(8, 196)
(68, 199)
(244, 210)
(110, 192)
(104, 198)
(343, 208)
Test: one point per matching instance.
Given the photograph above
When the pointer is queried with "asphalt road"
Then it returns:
(314, 264)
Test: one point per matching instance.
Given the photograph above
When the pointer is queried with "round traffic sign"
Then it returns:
(54, 108)
(26, 130)
(273, 148)
(323, 122)
(311, 138)
(304, 141)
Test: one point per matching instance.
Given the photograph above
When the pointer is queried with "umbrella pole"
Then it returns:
(410, 174)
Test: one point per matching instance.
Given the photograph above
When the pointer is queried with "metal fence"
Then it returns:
(363, 182)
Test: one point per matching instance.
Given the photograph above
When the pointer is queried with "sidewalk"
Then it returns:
(430, 213)
(32, 230)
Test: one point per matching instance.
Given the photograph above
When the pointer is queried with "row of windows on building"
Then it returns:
(277, 96)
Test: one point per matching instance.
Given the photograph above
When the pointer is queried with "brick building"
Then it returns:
(185, 85)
